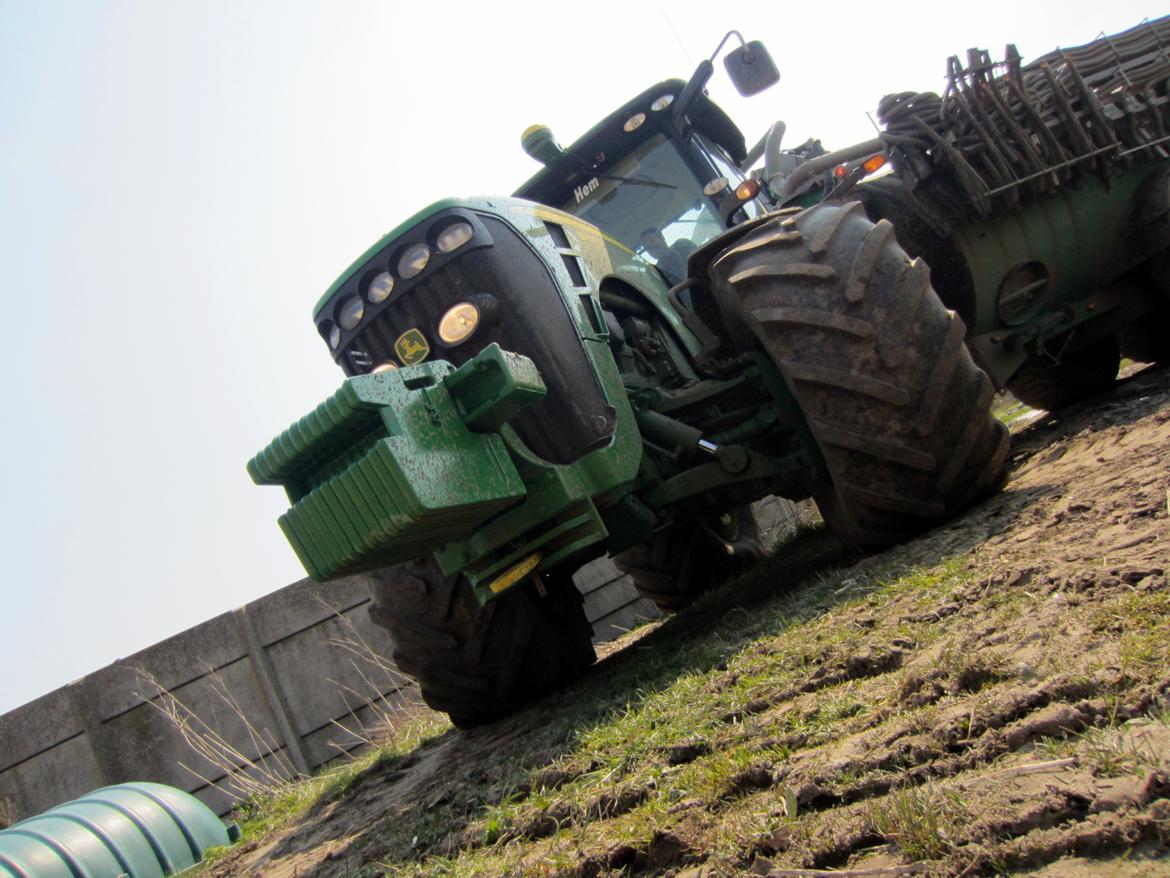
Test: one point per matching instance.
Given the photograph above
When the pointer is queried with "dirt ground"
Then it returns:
(992, 698)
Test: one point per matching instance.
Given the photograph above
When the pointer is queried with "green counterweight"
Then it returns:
(393, 465)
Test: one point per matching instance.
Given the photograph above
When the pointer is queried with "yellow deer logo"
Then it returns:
(412, 347)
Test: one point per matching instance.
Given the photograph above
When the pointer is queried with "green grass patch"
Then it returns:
(1008, 409)
(262, 814)
(924, 822)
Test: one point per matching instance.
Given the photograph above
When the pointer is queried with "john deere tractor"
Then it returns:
(649, 335)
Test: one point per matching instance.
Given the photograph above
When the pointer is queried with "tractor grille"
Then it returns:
(532, 319)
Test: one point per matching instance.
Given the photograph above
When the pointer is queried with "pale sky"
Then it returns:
(180, 181)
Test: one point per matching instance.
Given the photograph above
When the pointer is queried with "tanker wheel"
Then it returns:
(1046, 384)
(877, 363)
(478, 663)
(675, 566)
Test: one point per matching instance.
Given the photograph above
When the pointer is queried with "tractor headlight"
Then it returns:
(349, 315)
(714, 187)
(454, 236)
(413, 261)
(634, 122)
(380, 288)
(384, 366)
(458, 323)
(334, 336)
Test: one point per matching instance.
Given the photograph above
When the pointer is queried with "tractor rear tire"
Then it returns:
(898, 409)
(675, 566)
(1045, 384)
(479, 663)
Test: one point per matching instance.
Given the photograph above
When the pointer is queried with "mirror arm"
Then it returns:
(726, 37)
(699, 79)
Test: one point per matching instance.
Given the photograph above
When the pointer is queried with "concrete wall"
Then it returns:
(288, 682)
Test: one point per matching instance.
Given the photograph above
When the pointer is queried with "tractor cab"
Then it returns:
(662, 174)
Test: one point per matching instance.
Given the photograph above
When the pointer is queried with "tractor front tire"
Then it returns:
(479, 663)
(898, 409)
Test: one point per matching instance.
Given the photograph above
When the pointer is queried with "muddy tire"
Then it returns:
(478, 663)
(897, 407)
(674, 567)
(1045, 384)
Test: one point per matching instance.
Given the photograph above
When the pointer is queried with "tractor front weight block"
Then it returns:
(396, 464)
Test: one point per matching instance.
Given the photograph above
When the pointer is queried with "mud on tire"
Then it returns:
(478, 663)
(899, 410)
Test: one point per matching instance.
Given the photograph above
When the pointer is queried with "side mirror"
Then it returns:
(751, 69)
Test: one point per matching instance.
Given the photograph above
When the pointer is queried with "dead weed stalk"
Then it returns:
(240, 776)
(389, 699)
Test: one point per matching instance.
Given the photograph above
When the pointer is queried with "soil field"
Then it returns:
(992, 698)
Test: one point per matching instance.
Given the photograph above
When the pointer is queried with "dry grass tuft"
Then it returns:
(269, 773)
(8, 814)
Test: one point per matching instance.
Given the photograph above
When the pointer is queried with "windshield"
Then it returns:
(652, 202)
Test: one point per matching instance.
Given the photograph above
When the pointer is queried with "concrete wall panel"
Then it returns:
(174, 662)
(334, 673)
(303, 604)
(38, 726)
(65, 772)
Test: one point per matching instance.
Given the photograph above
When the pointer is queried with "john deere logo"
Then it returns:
(412, 347)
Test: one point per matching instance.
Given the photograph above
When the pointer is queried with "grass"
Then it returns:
(685, 688)
(1117, 748)
(924, 822)
(260, 813)
(270, 773)
(1008, 409)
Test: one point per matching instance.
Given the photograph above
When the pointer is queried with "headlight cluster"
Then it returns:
(351, 310)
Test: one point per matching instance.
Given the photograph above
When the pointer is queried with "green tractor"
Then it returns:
(649, 336)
